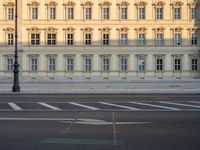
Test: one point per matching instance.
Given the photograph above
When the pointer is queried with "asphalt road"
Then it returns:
(100, 130)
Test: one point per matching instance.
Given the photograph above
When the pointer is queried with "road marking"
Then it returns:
(14, 106)
(158, 106)
(76, 121)
(49, 106)
(82, 142)
(84, 106)
(121, 106)
(195, 102)
(180, 104)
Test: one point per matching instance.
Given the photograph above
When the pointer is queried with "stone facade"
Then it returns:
(101, 39)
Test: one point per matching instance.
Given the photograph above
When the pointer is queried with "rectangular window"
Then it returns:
(35, 39)
(105, 64)
(106, 14)
(52, 13)
(177, 64)
(52, 64)
(88, 64)
(34, 13)
(194, 13)
(159, 13)
(194, 65)
(51, 39)
(70, 64)
(194, 39)
(141, 65)
(123, 64)
(105, 39)
(34, 64)
(88, 13)
(70, 39)
(159, 64)
(141, 13)
(70, 13)
(88, 39)
(141, 39)
(10, 13)
(177, 13)
(159, 39)
(123, 39)
(177, 39)
(10, 38)
(124, 13)
(10, 63)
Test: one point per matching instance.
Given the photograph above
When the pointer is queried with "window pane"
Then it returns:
(34, 13)
(106, 39)
(70, 13)
(141, 65)
(10, 13)
(106, 13)
(88, 13)
(124, 12)
(141, 13)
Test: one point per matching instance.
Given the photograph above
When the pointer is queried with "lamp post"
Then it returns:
(16, 87)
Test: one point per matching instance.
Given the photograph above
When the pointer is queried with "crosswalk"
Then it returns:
(102, 106)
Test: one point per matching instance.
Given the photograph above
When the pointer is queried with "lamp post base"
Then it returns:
(16, 88)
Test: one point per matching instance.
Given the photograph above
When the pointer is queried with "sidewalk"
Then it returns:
(192, 86)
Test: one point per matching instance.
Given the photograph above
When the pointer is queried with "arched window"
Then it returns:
(177, 10)
(123, 10)
(9, 10)
(69, 35)
(33, 10)
(51, 10)
(159, 10)
(87, 10)
(69, 10)
(141, 10)
(87, 35)
(105, 10)
(105, 35)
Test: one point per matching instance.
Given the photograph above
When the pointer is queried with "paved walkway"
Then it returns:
(192, 86)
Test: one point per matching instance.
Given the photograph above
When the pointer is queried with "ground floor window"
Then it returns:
(10, 62)
(141, 64)
(159, 64)
(105, 64)
(177, 64)
(194, 64)
(123, 64)
(34, 64)
(88, 64)
(70, 64)
(52, 64)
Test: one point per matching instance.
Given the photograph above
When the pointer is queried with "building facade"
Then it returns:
(101, 39)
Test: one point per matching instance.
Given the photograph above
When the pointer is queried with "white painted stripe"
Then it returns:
(84, 106)
(49, 106)
(180, 104)
(158, 106)
(195, 102)
(121, 106)
(14, 106)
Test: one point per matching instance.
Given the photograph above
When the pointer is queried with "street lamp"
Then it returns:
(16, 87)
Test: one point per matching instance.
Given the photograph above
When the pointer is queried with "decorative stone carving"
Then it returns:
(69, 3)
(105, 3)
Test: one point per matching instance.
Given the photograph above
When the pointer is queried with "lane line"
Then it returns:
(195, 102)
(84, 106)
(180, 104)
(49, 106)
(121, 106)
(153, 105)
(14, 106)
